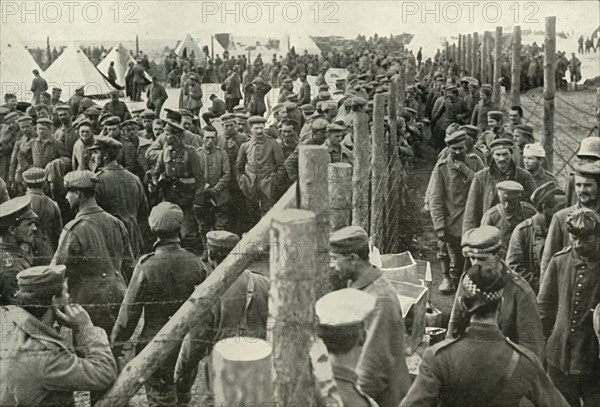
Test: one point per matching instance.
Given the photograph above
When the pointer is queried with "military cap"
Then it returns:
(45, 122)
(11, 116)
(227, 117)
(351, 92)
(409, 110)
(456, 137)
(307, 108)
(221, 240)
(288, 80)
(34, 175)
(62, 107)
(83, 122)
(112, 121)
(25, 118)
(358, 101)
(345, 307)
(334, 128)
(502, 143)
(465, 79)
(193, 76)
(589, 147)
(524, 129)
(165, 217)
(495, 114)
(16, 210)
(258, 79)
(440, 78)
(583, 222)
(323, 87)
(80, 87)
(348, 240)
(186, 113)
(241, 116)
(148, 114)
(238, 109)
(278, 107)
(87, 102)
(362, 76)
(328, 104)
(587, 168)
(42, 106)
(80, 179)
(544, 192)
(340, 80)
(380, 90)
(379, 76)
(324, 94)
(385, 80)
(319, 124)
(487, 89)
(31, 111)
(173, 115)
(449, 88)
(471, 130)
(452, 127)
(509, 186)
(292, 97)
(482, 240)
(289, 106)
(41, 279)
(288, 121)
(482, 286)
(256, 120)
(92, 111)
(174, 126)
(56, 89)
(138, 110)
(534, 150)
(130, 122)
(102, 142)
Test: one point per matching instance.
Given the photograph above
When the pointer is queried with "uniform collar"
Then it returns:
(495, 171)
(367, 279)
(91, 209)
(32, 326)
(344, 374)
(166, 244)
(590, 264)
(255, 141)
(479, 330)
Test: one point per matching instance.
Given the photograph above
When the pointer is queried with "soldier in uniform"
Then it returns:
(9, 130)
(241, 122)
(17, 229)
(259, 168)
(338, 153)
(529, 237)
(118, 191)
(147, 117)
(48, 223)
(589, 151)
(482, 367)
(452, 177)
(343, 315)
(37, 366)
(241, 311)
(67, 132)
(212, 211)
(179, 177)
(161, 283)
(534, 158)
(230, 131)
(451, 110)
(482, 195)
(3, 192)
(569, 292)
(81, 149)
(522, 136)
(519, 318)
(288, 138)
(127, 154)
(382, 371)
(317, 138)
(587, 189)
(95, 248)
(509, 211)
(479, 117)
(495, 118)
(20, 158)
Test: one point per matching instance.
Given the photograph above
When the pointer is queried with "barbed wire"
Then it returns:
(574, 106)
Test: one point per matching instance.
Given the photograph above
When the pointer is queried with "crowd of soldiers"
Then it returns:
(519, 251)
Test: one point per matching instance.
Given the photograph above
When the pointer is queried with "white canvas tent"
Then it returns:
(121, 57)
(187, 46)
(73, 69)
(16, 64)
(301, 43)
(206, 39)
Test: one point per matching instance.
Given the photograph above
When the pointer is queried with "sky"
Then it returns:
(429, 21)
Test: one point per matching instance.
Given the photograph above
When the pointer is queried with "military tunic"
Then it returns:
(12, 260)
(351, 395)
(497, 217)
(541, 176)
(217, 173)
(67, 135)
(21, 158)
(49, 225)
(37, 367)
(3, 192)
(482, 368)
(8, 138)
(95, 248)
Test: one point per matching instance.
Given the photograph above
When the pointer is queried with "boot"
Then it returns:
(446, 287)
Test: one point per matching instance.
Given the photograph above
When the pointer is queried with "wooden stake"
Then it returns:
(314, 196)
(459, 60)
(515, 71)
(380, 173)
(454, 53)
(549, 88)
(361, 171)
(598, 110)
(340, 195)
(242, 372)
(469, 55)
(497, 94)
(485, 52)
(292, 305)
(475, 65)
(447, 51)
(393, 207)
(195, 310)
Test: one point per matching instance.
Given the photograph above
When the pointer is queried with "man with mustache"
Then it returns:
(569, 292)
(587, 184)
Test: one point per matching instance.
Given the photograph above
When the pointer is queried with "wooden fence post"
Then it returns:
(340, 195)
(475, 58)
(497, 67)
(549, 88)
(393, 207)
(469, 56)
(361, 171)
(485, 58)
(242, 372)
(292, 305)
(459, 53)
(314, 196)
(598, 110)
(380, 173)
(515, 72)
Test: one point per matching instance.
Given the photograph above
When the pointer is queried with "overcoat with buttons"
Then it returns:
(569, 292)
(95, 248)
